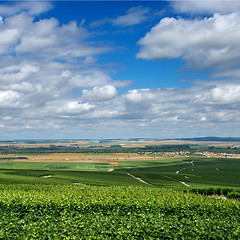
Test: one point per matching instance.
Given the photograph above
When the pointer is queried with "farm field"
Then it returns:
(176, 172)
(77, 157)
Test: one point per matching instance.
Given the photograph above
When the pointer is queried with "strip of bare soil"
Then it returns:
(138, 178)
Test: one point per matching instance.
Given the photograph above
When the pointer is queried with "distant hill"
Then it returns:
(49, 141)
(212, 139)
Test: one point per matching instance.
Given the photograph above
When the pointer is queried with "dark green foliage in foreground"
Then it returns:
(228, 192)
(233, 195)
(77, 212)
(215, 191)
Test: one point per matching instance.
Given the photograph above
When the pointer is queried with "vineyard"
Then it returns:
(118, 169)
(75, 195)
(83, 212)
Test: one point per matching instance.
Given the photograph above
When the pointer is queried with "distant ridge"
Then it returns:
(212, 139)
(49, 141)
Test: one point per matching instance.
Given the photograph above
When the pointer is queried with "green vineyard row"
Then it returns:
(91, 212)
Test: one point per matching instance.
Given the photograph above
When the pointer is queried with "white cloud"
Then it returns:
(21, 22)
(90, 59)
(140, 95)
(78, 107)
(67, 107)
(33, 44)
(47, 65)
(100, 93)
(134, 16)
(23, 87)
(39, 36)
(7, 118)
(98, 23)
(22, 34)
(205, 6)
(229, 94)
(9, 98)
(17, 73)
(103, 114)
(90, 79)
(66, 73)
(226, 94)
(158, 110)
(32, 7)
(8, 38)
(202, 43)
(227, 73)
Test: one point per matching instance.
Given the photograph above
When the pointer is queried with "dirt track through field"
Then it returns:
(46, 176)
(138, 178)
(184, 184)
(180, 170)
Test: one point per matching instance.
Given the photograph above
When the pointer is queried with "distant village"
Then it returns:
(188, 154)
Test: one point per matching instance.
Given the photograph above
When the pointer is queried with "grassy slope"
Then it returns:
(160, 173)
(206, 172)
(55, 208)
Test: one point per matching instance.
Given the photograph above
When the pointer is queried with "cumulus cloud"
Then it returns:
(202, 43)
(138, 95)
(209, 7)
(9, 98)
(17, 73)
(226, 94)
(100, 93)
(46, 65)
(73, 107)
(21, 34)
(90, 79)
(8, 37)
(184, 108)
(50, 78)
(134, 16)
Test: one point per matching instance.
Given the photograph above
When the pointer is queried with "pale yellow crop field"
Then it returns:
(74, 157)
(81, 157)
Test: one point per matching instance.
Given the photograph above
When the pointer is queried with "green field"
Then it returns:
(147, 199)
(196, 172)
(92, 212)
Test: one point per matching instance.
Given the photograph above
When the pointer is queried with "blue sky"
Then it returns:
(160, 73)
(119, 69)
